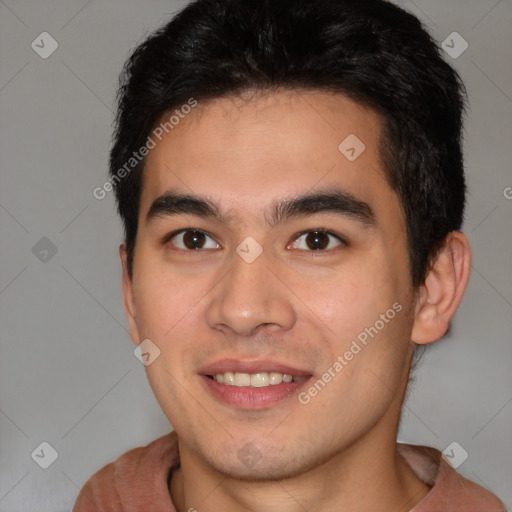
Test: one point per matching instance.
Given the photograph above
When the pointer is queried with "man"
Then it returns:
(290, 179)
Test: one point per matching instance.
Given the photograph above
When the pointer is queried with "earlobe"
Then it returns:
(442, 291)
(128, 298)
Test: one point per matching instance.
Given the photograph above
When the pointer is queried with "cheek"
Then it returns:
(355, 297)
(366, 309)
(163, 299)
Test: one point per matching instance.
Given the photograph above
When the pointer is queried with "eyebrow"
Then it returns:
(333, 201)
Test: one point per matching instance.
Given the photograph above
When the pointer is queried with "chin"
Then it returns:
(259, 474)
(260, 468)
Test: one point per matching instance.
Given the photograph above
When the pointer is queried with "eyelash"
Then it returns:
(342, 240)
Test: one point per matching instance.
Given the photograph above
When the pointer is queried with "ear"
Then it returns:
(442, 291)
(128, 301)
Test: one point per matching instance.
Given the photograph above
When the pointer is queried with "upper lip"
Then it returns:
(251, 366)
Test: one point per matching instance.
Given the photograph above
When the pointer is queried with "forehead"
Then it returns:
(245, 151)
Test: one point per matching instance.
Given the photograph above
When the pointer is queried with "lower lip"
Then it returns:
(251, 397)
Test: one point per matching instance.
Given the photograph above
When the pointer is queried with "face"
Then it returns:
(270, 250)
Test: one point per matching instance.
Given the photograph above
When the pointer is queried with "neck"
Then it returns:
(367, 475)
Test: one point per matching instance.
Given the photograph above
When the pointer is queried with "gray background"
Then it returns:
(68, 375)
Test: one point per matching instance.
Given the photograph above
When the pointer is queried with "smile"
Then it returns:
(255, 380)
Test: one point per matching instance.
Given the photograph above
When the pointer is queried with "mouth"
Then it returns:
(252, 384)
(255, 380)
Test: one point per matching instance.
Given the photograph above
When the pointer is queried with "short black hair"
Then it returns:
(371, 51)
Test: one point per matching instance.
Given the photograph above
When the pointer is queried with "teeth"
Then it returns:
(228, 377)
(255, 380)
(260, 380)
(275, 378)
(242, 379)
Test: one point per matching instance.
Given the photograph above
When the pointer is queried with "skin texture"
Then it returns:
(294, 305)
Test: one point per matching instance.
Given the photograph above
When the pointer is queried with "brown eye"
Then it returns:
(193, 239)
(316, 241)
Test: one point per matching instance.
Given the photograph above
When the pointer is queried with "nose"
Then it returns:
(249, 297)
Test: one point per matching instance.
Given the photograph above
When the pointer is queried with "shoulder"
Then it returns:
(449, 489)
(138, 476)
